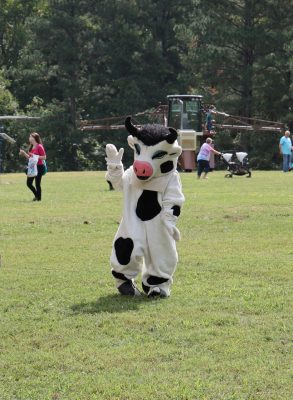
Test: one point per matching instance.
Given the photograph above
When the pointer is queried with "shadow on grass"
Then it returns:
(22, 201)
(112, 304)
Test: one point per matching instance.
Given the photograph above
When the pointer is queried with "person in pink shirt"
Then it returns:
(203, 158)
(36, 147)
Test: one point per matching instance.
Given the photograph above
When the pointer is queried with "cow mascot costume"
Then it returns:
(145, 240)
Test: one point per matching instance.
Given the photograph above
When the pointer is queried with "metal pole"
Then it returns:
(2, 149)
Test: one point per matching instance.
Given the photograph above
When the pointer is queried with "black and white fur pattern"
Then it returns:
(145, 240)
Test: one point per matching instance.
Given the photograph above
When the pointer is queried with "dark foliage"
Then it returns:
(67, 60)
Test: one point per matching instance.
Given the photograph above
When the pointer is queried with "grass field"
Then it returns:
(226, 332)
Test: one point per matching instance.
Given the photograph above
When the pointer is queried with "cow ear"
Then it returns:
(130, 127)
(176, 151)
(130, 140)
(172, 136)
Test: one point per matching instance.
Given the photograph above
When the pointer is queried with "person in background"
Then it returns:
(203, 158)
(36, 147)
(209, 119)
(285, 147)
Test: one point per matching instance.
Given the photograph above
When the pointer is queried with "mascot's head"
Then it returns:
(156, 149)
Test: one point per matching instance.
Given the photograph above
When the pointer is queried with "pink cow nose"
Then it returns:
(143, 170)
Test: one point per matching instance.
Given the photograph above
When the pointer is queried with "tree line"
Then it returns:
(69, 60)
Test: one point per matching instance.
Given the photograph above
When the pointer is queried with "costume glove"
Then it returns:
(113, 156)
(169, 222)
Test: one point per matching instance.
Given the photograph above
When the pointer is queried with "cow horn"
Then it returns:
(130, 127)
(172, 136)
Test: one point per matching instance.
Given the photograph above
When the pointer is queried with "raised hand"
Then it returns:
(113, 156)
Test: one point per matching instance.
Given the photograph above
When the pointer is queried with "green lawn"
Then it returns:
(226, 332)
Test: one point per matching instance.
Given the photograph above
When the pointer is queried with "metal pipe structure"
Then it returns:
(16, 117)
(248, 127)
(7, 138)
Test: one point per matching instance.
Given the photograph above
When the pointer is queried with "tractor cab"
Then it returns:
(185, 114)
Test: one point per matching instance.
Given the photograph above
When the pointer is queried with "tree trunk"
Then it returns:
(72, 110)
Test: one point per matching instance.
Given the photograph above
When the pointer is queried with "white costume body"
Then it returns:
(154, 252)
(145, 240)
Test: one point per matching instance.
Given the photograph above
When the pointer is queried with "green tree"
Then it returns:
(237, 58)
(8, 104)
(68, 59)
(232, 43)
(13, 17)
(55, 65)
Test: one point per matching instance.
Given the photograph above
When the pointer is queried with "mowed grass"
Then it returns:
(226, 332)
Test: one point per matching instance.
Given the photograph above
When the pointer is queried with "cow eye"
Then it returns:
(137, 148)
(159, 154)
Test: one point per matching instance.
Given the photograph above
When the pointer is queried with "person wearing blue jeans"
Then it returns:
(285, 147)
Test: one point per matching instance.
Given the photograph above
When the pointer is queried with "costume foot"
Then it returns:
(145, 288)
(129, 289)
(157, 292)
